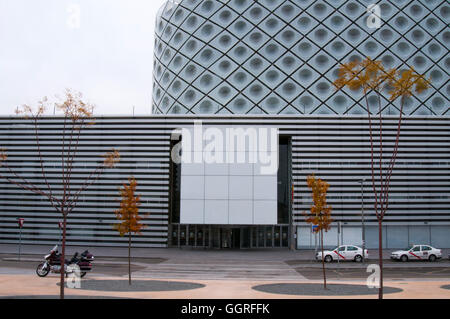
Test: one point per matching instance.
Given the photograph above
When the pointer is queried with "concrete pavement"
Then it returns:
(225, 274)
(23, 285)
(187, 253)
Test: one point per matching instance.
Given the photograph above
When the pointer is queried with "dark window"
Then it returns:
(284, 236)
(284, 183)
(175, 176)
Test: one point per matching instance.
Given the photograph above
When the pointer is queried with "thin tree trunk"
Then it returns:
(129, 258)
(380, 257)
(323, 261)
(63, 258)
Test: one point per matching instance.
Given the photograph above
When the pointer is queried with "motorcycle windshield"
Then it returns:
(55, 248)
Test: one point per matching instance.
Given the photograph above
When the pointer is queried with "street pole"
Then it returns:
(20, 242)
(338, 234)
(362, 221)
(21, 222)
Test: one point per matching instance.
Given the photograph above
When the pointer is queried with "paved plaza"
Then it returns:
(223, 274)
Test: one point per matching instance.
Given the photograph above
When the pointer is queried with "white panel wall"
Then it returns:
(227, 193)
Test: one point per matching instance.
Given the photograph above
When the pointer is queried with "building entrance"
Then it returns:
(230, 237)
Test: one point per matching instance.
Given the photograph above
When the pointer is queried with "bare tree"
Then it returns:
(371, 76)
(77, 115)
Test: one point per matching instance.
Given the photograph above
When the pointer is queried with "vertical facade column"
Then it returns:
(273, 236)
(187, 236)
(204, 235)
(241, 237)
(281, 236)
(210, 236)
(195, 235)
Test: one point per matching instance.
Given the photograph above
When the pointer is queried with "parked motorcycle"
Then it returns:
(52, 263)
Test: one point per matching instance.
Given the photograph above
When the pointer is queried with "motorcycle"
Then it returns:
(52, 263)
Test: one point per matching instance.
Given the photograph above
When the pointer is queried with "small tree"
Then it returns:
(128, 215)
(61, 195)
(320, 213)
(371, 76)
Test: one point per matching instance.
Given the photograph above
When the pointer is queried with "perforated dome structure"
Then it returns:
(281, 56)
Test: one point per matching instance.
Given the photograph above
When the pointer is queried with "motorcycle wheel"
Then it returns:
(42, 271)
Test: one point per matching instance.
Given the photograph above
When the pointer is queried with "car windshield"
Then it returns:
(409, 248)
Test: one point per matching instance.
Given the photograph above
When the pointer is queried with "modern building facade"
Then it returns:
(281, 56)
(261, 65)
(334, 148)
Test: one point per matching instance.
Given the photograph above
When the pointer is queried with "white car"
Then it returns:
(417, 252)
(344, 252)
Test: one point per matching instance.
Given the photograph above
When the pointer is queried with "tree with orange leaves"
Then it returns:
(371, 76)
(128, 214)
(320, 212)
(61, 194)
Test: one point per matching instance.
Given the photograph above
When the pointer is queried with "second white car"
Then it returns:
(417, 252)
(344, 252)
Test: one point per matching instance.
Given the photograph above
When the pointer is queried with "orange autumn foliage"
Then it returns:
(320, 212)
(128, 213)
(371, 75)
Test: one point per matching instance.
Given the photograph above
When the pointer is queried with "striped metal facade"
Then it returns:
(144, 147)
(335, 148)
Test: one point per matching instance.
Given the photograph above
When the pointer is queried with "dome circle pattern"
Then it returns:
(436, 75)
(281, 56)
(438, 103)
(337, 21)
(256, 37)
(386, 35)
(445, 12)
(388, 60)
(351, 8)
(240, 77)
(401, 22)
(385, 8)
(305, 47)
(206, 107)
(319, 9)
(304, 22)
(256, 13)
(416, 10)
(338, 46)
(225, 16)
(272, 76)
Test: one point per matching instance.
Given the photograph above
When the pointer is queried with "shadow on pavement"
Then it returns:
(137, 285)
(313, 289)
(57, 297)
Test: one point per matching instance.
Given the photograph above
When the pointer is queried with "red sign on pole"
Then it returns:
(21, 221)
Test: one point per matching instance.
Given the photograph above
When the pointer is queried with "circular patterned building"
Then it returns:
(281, 56)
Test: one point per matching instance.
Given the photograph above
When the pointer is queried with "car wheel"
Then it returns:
(432, 258)
(404, 258)
(328, 258)
(358, 258)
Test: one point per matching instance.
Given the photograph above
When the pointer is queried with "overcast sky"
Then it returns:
(105, 52)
